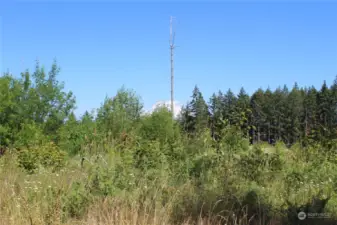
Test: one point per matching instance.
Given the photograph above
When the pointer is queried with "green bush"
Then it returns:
(253, 163)
(28, 159)
(101, 182)
(76, 201)
(51, 156)
(30, 135)
(159, 126)
(148, 155)
(47, 155)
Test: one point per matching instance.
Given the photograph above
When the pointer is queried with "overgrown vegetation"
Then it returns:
(212, 165)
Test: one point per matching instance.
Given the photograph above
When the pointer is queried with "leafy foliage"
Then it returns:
(76, 201)
(268, 154)
(47, 155)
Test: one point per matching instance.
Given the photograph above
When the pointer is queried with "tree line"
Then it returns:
(35, 106)
(298, 115)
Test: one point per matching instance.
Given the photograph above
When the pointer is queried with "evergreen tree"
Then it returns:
(229, 104)
(294, 115)
(195, 114)
(269, 117)
(309, 114)
(333, 110)
(243, 112)
(216, 114)
(258, 115)
(278, 112)
(324, 111)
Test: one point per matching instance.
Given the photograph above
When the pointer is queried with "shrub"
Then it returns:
(101, 181)
(158, 126)
(51, 156)
(28, 160)
(148, 155)
(48, 155)
(76, 201)
(30, 135)
(252, 164)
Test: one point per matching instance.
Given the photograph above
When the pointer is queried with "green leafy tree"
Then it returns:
(159, 126)
(120, 113)
(52, 104)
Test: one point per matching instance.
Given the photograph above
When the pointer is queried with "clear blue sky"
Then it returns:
(102, 46)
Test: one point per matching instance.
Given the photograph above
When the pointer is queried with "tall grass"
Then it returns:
(194, 182)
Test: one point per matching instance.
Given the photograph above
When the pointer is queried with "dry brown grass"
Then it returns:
(24, 201)
(17, 210)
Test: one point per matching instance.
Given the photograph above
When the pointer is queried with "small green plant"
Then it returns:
(101, 182)
(76, 201)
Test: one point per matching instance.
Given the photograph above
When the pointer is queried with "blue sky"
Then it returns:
(102, 46)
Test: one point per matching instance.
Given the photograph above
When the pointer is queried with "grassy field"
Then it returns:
(251, 185)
